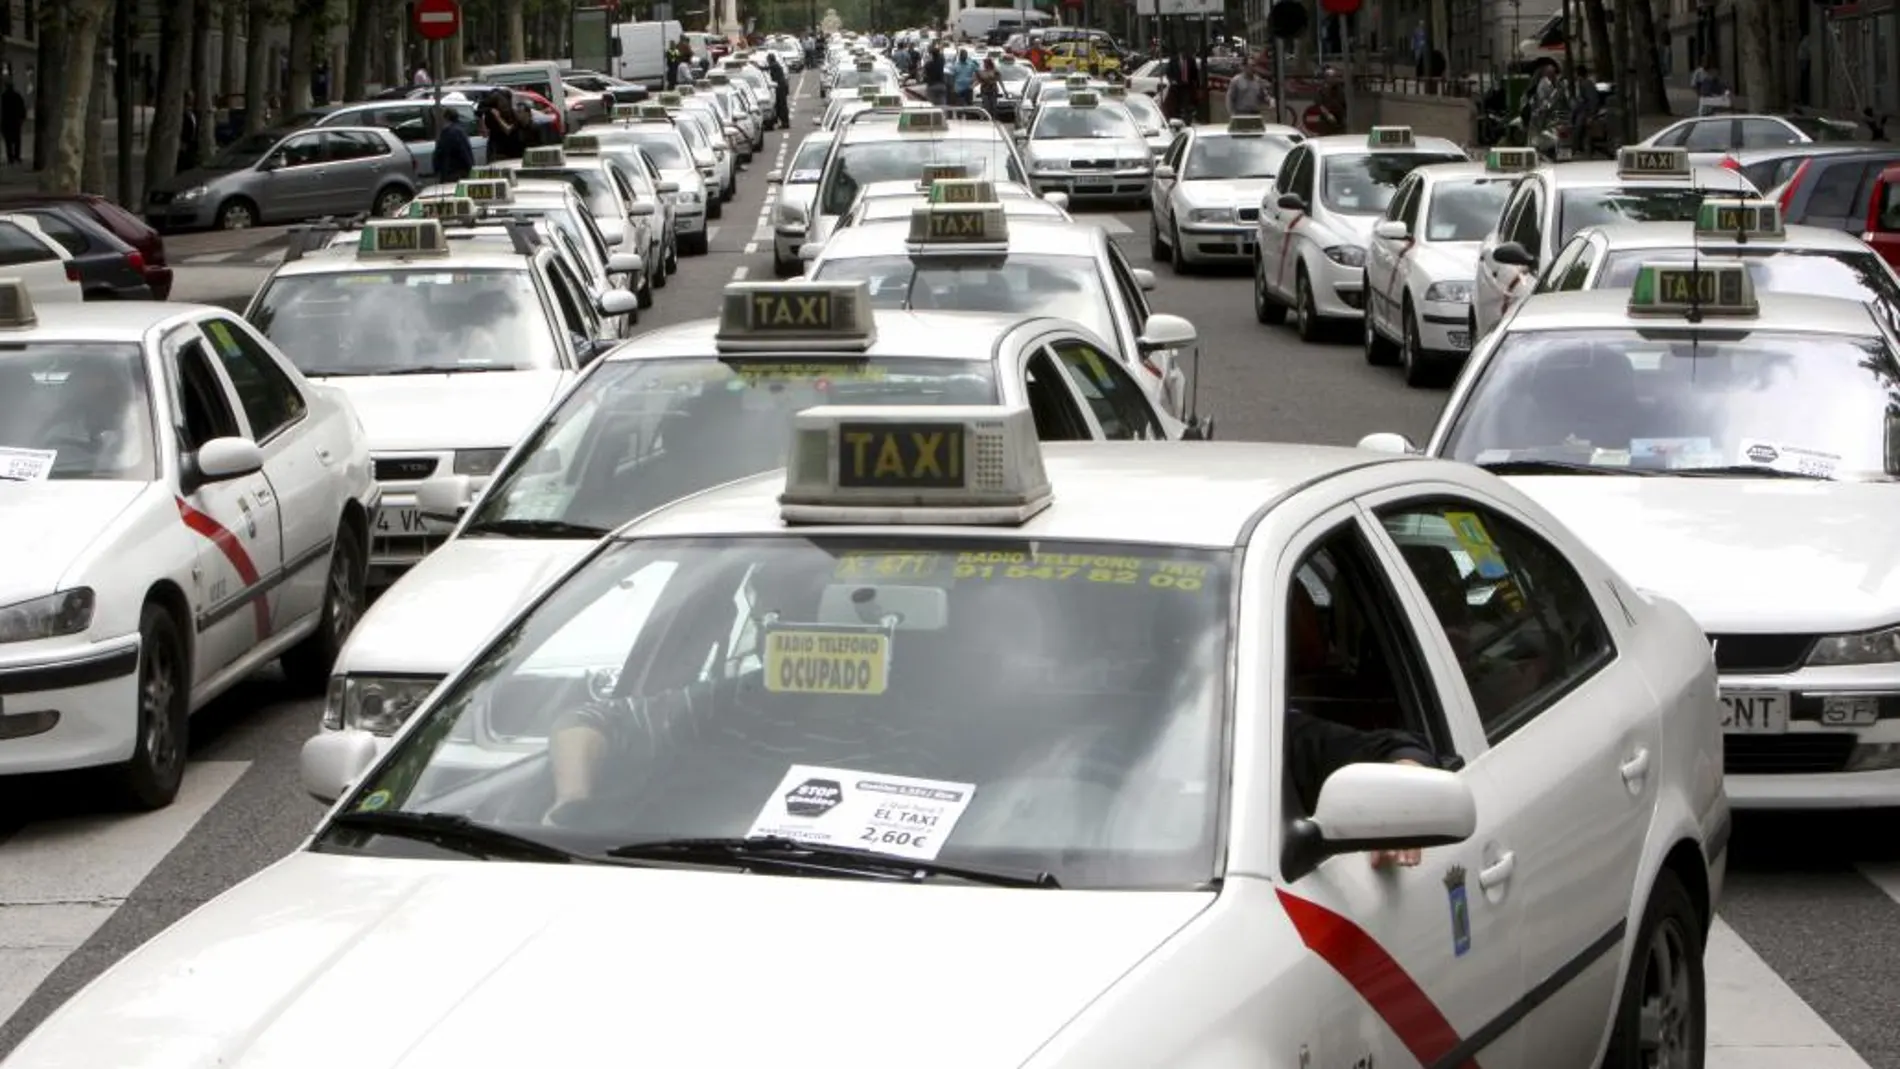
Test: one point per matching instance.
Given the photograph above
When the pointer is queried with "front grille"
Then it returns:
(404, 469)
(1092, 165)
(1248, 215)
(1761, 654)
(1789, 754)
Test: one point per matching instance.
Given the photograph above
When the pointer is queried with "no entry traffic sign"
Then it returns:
(438, 20)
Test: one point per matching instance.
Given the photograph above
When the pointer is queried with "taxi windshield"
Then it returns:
(640, 433)
(1040, 706)
(1856, 276)
(1578, 208)
(903, 159)
(1055, 124)
(1219, 159)
(666, 148)
(693, 132)
(810, 161)
(1677, 399)
(591, 185)
(1465, 210)
(1362, 183)
(74, 410)
(851, 79)
(1067, 287)
(1146, 113)
(383, 322)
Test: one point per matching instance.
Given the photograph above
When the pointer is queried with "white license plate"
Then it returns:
(1849, 710)
(1564, 152)
(400, 522)
(1755, 712)
(1094, 183)
(1460, 339)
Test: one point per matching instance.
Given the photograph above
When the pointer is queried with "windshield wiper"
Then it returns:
(521, 528)
(781, 850)
(454, 832)
(1748, 471)
(444, 369)
(1556, 467)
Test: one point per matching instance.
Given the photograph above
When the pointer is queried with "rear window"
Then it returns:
(1856, 276)
(594, 188)
(1578, 208)
(1835, 189)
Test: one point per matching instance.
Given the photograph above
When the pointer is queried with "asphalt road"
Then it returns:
(1804, 964)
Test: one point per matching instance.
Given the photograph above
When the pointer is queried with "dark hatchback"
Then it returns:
(139, 250)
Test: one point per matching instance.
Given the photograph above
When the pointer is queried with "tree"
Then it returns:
(306, 28)
(81, 21)
(199, 100)
(258, 17)
(364, 15)
(516, 31)
(92, 171)
(161, 145)
(1597, 22)
(49, 86)
(1653, 91)
(229, 14)
(1755, 31)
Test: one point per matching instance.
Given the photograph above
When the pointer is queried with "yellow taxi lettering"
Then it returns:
(956, 225)
(859, 442)
(890, 460)
(824, 662)
(791, 310)
(928, 455)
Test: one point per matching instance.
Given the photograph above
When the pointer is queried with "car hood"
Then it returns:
(380, 963)
(468, 410)
(1355, 228)
(1743, 554)
(1446, 261)
(1224, 193)
(1088, 148)
(52, 525)
(437, 615)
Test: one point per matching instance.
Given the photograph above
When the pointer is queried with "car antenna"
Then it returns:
(1695, 282)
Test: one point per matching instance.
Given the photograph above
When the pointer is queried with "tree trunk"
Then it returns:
(1654, 93)
(257, 21)
(80, 22)
(1754, 36)
(228, 22)
(92, 174)
(1599, 54)
(304, 18)
(161, 147)
(122, 47)
(49, 86)
(515, 30)
(199, 97)
(396, 71)
(361, 49)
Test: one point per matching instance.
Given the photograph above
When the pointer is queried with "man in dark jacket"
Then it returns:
(12, 120)
(454, 153)
(782, 88)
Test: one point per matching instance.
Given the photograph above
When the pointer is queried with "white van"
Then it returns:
(541, 75)
(639, 50)
(977, 23)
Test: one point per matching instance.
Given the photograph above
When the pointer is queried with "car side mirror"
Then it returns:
(616, 302)
(1176, 124)
(1163, 173)
(1512, 254)
(1166, 332)
(625, 263)
(773, 178)
(333, 761)
(1144, 278)
(809, 251)
(1391, 230)
(1388, 442)
(1291, 202)
(443, 498)
(639, 208)
(220, 460)
(668, 187)
(1376, 806)
(1059, 199)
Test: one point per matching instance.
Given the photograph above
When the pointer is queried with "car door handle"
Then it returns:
(323, 455)
(1499, 871)
(1635, 768)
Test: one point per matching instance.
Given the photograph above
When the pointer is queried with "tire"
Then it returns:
(645, 294)
(1158, 250)
(308, 663)
(150, 779)
(715, 207)
(695, 244)
(660, 272)
(1266, 308)
(1379, 351)
(1419, 369)
(237, 214)
(673, 256)
(1674, 1003)
(1305, 313)
(1177, 259)
(784, 268)
(389, 200)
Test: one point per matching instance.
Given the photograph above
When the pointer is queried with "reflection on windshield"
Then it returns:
(1856, 276)
(1465, 210)
(1679, 398)
(1363, 183)
(592, 186)
(247, 150)
(904, 160)
(74, 410)
(1067, 287)
(1227, 158)
(809, 161)
(642, 433)
(1578, 208)
(1145, 112)
(667, 150)
(1057, 706)
(1057, 123)
(369, 323)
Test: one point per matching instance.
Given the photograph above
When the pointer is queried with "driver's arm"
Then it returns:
(627, 732)
(1317, 747)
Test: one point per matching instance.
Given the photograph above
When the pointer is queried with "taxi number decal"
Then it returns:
(886, 565)
(1683, 285)
(826, 662)
(923, 455)
(1188, 577)
(786, 372)
(786, 311)
(1470, 532)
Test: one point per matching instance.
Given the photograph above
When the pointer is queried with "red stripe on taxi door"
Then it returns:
(234, 552)
(1286, 247)
(1380, 980)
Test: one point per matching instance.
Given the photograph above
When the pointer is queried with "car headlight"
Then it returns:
(1449, 292)
(194, 193)
(66, 613)
(1144, 161)
(686, 196)
(478, 461)
(1347, 255)
(1045, 165)
(376, 704)
(1868, 647)
(1211, 215)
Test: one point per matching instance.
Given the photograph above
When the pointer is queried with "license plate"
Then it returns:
(1564, 152)
(1094, 183)
(1755, 712)
(1850, 710)
(1460, 339)
(400, 522)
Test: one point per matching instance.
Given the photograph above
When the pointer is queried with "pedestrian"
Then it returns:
(781, 89)
(504, 143)
(188, 134)
(1037, 57)
(683, 72)
(1712, 93)
(12, 119)
(528, 133)
(1247, 94)
(454, 157)
(934, 89)
(989, 83)
(422, 75)
(965, 79)
(1184, 85)
(1585, 103)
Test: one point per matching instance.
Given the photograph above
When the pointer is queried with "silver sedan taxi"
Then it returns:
(1089, 150)
(1208, 186)
(1645, 419)
(1317, 222)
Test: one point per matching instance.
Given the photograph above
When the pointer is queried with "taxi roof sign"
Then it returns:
(544, 156)
(1650, 161)
(887, 100)
(485, 191)
(1246, 125)
(450, 209)
(1076, 81)
(867, 92)
(927, 464)
(623, 112)
(402, 238)
(799, 314)
(1115, 92)
(1739, 218)
(581, 145)
(1694, 289)
(669, 100)
(959, 223)
(1510, 160)
(865, 64)
(701, 83)
(499, 174)
(921, 120)
(719, 78)
(1390, 137)
(1086, 99)
(16, 305)
(963, 191)
(939, 172)
(684, 91)
(650, 112)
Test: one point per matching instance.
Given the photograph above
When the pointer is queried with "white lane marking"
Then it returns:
(60, 880)
(739, 273)
(751, 248)
(763, 233)
(1109, 223)
(1756, 1021)
(1885, 876)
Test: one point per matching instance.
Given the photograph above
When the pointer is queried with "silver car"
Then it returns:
(280, 176)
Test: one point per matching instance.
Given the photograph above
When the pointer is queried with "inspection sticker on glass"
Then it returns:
(26, 465)
(897, 815)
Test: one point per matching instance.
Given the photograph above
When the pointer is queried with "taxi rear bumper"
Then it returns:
(71, 712)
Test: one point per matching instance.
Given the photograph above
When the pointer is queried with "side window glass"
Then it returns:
(1303, 181)
(1890, 206)
(303, 150)
(1529, 231)
(1119, 405)
(1578, 275)
(1050, 402)
(202, 410)
(18, 246)
(1834, 191)
(1283, 182)
(62, 230)
(1712, 136)
(409, 123)
(1518, 616)
(578, 329)
(271, 401)
(1414, 201)
(1675, 138)
(1131, 289)
(1552, 278)
(1766, 133)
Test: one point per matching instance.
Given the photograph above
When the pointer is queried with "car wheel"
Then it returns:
(785, 268)
(1412, 355)
(1177, 257)
(1157, 248)
(673, 256)
(660, 269)
(308, 663)
(1266, 308)
(237, 214)
(150, 780)
(1305, 314)
(1379, 351)
(1661, 1021)
(696, 244)
(389, 202)
(715, 207)
(645, 293)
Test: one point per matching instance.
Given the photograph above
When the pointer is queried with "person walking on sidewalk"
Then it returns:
(454, 157)
(1247, 94)
(12, 119)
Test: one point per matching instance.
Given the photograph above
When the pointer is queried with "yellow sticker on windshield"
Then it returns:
(756, 373)
(1083, 568)
(1470, 532)
(881, 565)
(815, 661)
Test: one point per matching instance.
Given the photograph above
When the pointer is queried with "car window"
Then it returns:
(1553, 276)
(1462, 209)
(407, 121)
(1674, 138)
(1528, 229)
(348, 145)
(1712, 136)
(73, 409)
(302, 150)
(1118, 403)
(202, 409)
(63, 230)
(1834, 190)
(1058, 419)
(575, 309)
(19, 246)
(1577, 276)
(1766, 133)
(1133, 297)
(271, 401)
(1519, 618)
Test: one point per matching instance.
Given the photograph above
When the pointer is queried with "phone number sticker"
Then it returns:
(1083, 568)
(898, 815)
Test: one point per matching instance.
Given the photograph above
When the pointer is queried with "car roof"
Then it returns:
(108, 321)
(494, 253)
(1340, 144)
(1596, 174)
(1609, 309)
(1469, 169)
(1140, 492)
(1621, 236)
(958, 130)
(1219, 129)
(1029, 235)
(899, 187)
(1812, 148)
(916, 335)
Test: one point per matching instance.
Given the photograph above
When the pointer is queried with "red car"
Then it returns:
(129, 228)
(1883, 217)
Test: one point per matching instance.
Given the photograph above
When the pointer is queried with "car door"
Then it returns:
(1059, 411)
(1838, 196)
(359, 160)
(1118, 403)
(1161, 199)
(1513, 283)
(296, 186)
(574, 314)
(26, 253)
(1768, 133)
(298, 461)
(1414, 962)
(1382, 258)
(1572, 744)
(1276, 221)
(239, 554)
(1304, 183)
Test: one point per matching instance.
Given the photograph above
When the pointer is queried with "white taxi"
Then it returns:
(686, 408)
(680, 179)
(1033, 716)
(709, 140)
(1640, 417)
(1089, 150)
(797, 188)
(1424, 257)
(882, 202)
(1208, 186)
(1317, 220)
(1156, 128)
(182, 508)
(1553, 202)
